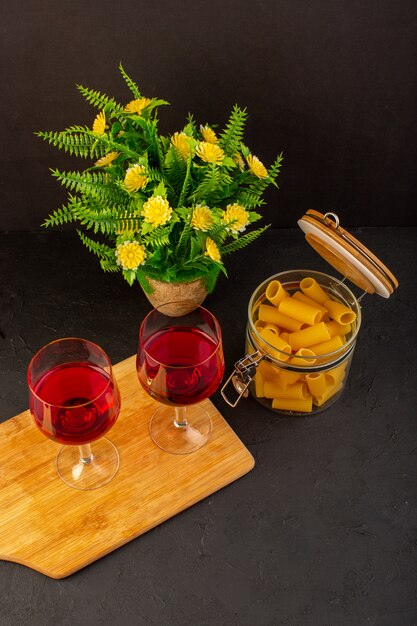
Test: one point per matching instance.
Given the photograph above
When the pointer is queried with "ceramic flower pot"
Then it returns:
(185, 297)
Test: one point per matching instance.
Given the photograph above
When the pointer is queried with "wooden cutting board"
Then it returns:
(57, 530)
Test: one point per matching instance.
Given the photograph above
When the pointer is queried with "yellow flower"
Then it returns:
(181, 144)
(99, 124)
(202, 218)
(257, 167)
(209, 152)
(107, 159)
(238, 215)
(156, 211)
(135, 178)
(212, 250)
(238, 159)
(137, 106)
(130, 254)
(208, 134)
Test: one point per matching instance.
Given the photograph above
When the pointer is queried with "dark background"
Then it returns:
(331, 83)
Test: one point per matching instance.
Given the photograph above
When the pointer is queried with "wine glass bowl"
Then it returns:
(180, 363)
(74, 400)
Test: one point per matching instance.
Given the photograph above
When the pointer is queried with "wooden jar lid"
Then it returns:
(346, 254)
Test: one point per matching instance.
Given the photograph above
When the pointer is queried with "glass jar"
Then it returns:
(283, 370)
(326, 376)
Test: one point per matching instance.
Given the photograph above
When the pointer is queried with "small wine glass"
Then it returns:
(179, 363)
(74, 400)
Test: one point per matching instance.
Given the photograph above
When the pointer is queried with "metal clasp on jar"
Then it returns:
(242, 376)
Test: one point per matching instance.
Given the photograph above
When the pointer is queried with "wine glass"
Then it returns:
(74, 400)
(179, 363)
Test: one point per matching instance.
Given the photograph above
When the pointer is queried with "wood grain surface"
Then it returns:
(57, 530)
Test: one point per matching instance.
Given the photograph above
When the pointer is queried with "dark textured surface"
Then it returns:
(321, 532)
(331, 83)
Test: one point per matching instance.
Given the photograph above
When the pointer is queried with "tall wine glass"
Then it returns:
(74, 400)
(179, 363)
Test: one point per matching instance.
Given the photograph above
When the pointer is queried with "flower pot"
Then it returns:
(185, 297)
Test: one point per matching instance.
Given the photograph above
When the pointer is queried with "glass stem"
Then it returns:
(86, 455)
(180, 420)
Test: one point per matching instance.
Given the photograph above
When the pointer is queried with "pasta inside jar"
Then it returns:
(305, 324)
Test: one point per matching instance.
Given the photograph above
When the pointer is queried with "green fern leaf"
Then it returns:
(184, 241)
(175, 169)
(158, 238)
(64, 215)
(75, 140)
(95, 184)
(108, 265)
(209, 185)
(243, 241)
(100, 100)
(231, 138)
(130, 83)
(250, 200)
(99, 249)
(107, 223)
(186, 183)
(219, 232)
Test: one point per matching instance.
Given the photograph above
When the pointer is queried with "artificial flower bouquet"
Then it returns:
(165, 207)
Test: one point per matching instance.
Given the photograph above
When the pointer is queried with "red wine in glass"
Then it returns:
(81, 403)
(192, 367)
(180, 363)
(74, 400)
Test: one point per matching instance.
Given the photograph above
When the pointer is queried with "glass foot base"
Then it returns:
(180, 439)
(80, 475)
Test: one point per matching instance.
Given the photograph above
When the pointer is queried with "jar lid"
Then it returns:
(346, 254)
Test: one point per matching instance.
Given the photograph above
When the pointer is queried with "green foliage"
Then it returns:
(99, 100)
(130, 83)
(243, 241)
(232, 136)
(163, 201)
(76, 140)
(99, 249)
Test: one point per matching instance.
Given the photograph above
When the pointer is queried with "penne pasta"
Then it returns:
(340, 312)
(316, 383)
(296, 331)
(335, 328)
(288, 378)
(275, 292)
(300, 311)
(298, 391)
(312, 289)
(259, 384)
(270, 314)
(283, 349)
(336, 375)
(267, 371)
(299, 295)
(303, 356)
(309, 336)
(304, 405)
(272, 328)
(329, 392)
(326, 347)
(259, 324)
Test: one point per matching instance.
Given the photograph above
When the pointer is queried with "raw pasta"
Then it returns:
(300, 311)
(309, 336)
(312, 289)
(292, 404)
(271, 314)
(275, 292)
(340, 312)
(300, 329)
